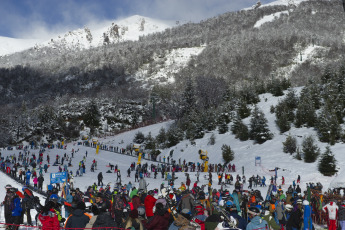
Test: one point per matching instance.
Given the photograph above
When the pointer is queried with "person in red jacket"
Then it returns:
(49, 218)
(149, 202)
(160, 221)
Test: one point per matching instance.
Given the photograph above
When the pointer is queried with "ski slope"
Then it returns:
(245, 152)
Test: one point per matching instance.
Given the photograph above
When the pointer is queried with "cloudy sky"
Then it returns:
(41, 18)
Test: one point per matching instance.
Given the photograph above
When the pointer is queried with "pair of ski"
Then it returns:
(177, 217)
(231, 222)
(36, 202)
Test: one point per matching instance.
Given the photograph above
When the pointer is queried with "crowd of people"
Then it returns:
(191, 205)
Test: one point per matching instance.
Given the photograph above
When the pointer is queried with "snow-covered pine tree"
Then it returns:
(92, 117)
(276, 88)
(242, 109)
(290, 144)
(327, 164)
(239, 129)
(259, 131)
(291, 99)
(284, 116)
(212, 139)
(161, 137)
(228, 154)
(174, 136)
(194, 128)
(328, 127)
(139, 138)
(188, 98)
(222, 125)
(310, 150)
(305, 113)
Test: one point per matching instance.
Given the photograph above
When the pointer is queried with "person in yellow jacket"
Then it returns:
(183, 187)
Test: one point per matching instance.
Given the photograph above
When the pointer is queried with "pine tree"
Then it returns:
(188, 98)
(222, 125)
(239, 129)
(290, 145)
(228, 154)
(194, 128)
(174, 136)
(242, 109)
(150, 142)
(327, 164)
(259, 131)
(92, 117)
(212, 140)
(291, 99)
(276, 88)
(327, 125)
(139, 138)
(284, 116)
(161, 137)
(310, 149)
(305, 113)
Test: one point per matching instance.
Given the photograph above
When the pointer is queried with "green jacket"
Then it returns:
(133, 193)
(271, 222)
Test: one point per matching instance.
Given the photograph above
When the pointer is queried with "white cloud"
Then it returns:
(48, 18)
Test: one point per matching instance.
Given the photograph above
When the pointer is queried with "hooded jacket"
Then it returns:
(160, 221)
(150, 202)
(49, 220)
(257, 223)
(78, 219)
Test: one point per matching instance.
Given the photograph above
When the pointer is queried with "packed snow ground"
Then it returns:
(245, 152)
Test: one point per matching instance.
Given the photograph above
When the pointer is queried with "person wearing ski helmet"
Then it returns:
(255, 220)
(8, 204)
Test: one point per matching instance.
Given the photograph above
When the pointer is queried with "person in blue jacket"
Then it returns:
(255, 220)
(307, 220)
(16, 212)
(28, 175)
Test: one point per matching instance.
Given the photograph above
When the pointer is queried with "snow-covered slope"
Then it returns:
(166, 65)
(12, 45)
(130, 28)
(271, 153)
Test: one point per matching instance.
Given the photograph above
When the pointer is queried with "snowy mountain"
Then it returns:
(108, 32)
(12, 45)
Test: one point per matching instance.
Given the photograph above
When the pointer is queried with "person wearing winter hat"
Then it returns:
(8, 204)
(78, 218)
(270, 220)
(133, 220)
(332, 209)
(255, 221)
(160, 221)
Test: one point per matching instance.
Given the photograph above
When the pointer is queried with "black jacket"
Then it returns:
(295, 220)
(104, 220)
(78, 219)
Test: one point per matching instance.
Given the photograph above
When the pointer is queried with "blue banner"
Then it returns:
(59, 177)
